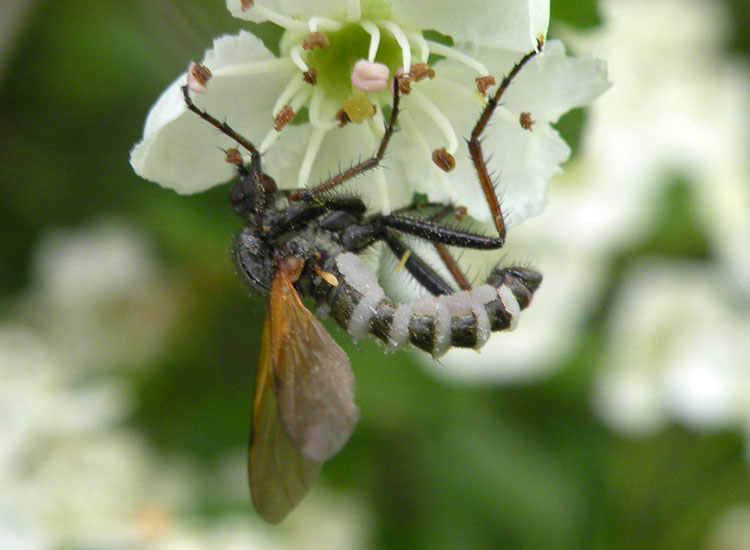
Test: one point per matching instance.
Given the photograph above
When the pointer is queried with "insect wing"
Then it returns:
(312, 376)
(280, 476)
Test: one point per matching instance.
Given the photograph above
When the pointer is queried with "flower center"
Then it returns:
(334, 62)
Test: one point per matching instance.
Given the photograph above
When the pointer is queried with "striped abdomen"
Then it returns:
(433, 323)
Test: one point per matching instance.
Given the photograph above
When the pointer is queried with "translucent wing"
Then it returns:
(280, 476)
(312, 376)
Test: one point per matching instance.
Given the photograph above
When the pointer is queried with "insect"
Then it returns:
(305, 243)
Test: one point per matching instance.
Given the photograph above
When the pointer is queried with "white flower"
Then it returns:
(678, 347)
(322, 42)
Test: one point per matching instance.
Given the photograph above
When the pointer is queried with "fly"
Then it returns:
(306, 243)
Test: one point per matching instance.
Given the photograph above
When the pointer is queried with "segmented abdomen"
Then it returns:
(433, 323)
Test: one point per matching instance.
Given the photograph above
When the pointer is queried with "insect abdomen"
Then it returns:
(433, 323)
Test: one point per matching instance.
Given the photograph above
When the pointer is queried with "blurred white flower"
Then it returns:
(678, 348)
(97, 293)
(322, 42)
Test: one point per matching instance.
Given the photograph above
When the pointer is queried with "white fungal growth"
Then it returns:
(511, 305)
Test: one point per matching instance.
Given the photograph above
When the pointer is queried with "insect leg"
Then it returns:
(445, 255)
(369, 164)
(436, 233)
(416, 266)
(475, 146)
(224, 128)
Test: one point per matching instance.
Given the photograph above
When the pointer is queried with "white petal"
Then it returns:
(524, 163)
(553, 83)
(521, 161)
(509, 24)
(341, 149)
(332, 9)
(180, 150)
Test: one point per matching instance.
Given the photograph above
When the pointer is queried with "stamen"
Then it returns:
(424, 48)
(420, 71)
(197, 78)
(283, 117)
(451, 53)
(316, 23)
(342, 118)
(443, 159)
(258, 67)
(315, 110)
(440, 120)
(310, 76)
(296, 104)
(233, 156)
(296, 55)
(281, 20)
(526, 121)
(313, 146)
(247, 4)
(484, 82)
(315, 40)
(353, 10)
(413, 131)
(291, 89)
(403, 42)
(374, 32)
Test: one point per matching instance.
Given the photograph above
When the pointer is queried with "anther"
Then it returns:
(539, 42)
(404, 84)
(460, 212)
(283, 117)
(420, 71)
(247, 4)
(310, 76)
(484, 82)
(315, 40)
(358, 108)
(233, 156)
(443, 159)
(197, 78)
(342, 118)
(526, 121)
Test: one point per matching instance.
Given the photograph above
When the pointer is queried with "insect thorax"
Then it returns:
(257, 257)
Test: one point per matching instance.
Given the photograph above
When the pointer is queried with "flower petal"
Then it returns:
(180, 150)
(341, 149)
(509, 24)
(552, 83)
(332, 9)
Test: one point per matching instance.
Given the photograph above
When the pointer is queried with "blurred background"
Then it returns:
(617, 416)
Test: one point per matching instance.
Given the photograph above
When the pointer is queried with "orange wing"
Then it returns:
(304, 409)
(279, 475)
(312, 375)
